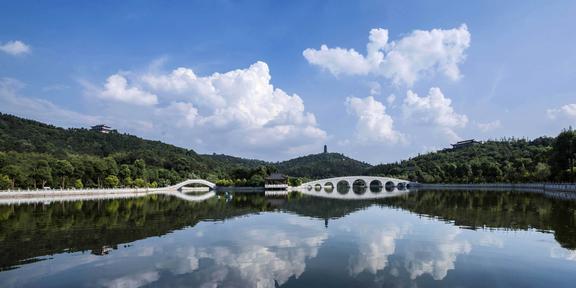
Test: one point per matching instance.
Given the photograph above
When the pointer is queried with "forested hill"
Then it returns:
(227, 160)
(507, 160)
(33, 154)
(322, 166)
(28, 136)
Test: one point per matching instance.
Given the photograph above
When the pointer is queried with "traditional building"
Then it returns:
(101, 128)
(276, 185)
(276, 180)
(465, 143)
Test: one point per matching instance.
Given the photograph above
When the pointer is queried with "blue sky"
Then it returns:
(233, 76)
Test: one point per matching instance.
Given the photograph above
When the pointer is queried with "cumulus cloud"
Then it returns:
(391, 245)
(373, 123)
(435, 110)
(402, 61)
(15, 48)
(238, 110)
(375, 245)
(436, 259)
(489, 126)
(116, 89)
(263, 254)
(566, 111)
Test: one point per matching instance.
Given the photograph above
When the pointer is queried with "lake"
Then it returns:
(421, 239)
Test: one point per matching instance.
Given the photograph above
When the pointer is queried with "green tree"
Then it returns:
(128, 182)
(78, 184)
(256, 180)
(5, 182)
(140, 183)
(42, 173)
(63, 169)
(100, 169)
(295, 182)
(124, 171)
(463, 171)
(542, 172)
(111, 181)
(111, 166)
(15, 173)
(563, 154)
(139, 169)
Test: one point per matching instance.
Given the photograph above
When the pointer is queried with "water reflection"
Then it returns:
(420, 239)
(399, 234)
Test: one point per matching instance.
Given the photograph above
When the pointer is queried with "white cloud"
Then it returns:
(133, 281)
(375, 245)
(15, 48)
(373, 124)
(116, 89)
(435, 110)
(567, 111)
(239, 111)
(437, 258)
(12, 101)
(262, 254)
(392, 243)
(375, 88)
(402, 61)
(562, 253)
(338, 60)
(491, 240)
(489, 126)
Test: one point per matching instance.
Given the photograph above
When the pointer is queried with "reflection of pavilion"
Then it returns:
(104, 250)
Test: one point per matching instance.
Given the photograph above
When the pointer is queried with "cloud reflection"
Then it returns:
(268, 250)
(381, 236)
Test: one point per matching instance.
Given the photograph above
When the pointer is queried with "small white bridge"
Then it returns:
(356, 187)
(182, 184)
(47, 196)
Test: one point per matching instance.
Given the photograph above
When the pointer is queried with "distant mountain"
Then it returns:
(227, 160)
(322, 166)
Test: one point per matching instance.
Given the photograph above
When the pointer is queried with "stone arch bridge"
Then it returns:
(356, 187)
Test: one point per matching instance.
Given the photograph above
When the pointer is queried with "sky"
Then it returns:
(379, 81)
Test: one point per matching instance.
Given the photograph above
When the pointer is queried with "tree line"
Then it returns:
(506, 160)
(36, 155)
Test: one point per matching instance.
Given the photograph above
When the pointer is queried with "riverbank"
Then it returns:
(558, 187)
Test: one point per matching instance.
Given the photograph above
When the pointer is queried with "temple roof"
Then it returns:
(276, 176)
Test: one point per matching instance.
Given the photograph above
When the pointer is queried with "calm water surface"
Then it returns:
(424, 239)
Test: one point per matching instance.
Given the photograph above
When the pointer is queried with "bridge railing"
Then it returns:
(15, 192)
(562, 187)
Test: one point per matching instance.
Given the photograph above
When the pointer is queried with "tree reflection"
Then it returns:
(28, 232)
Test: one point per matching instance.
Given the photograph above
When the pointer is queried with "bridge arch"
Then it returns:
(355, 187)
(180, 185)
